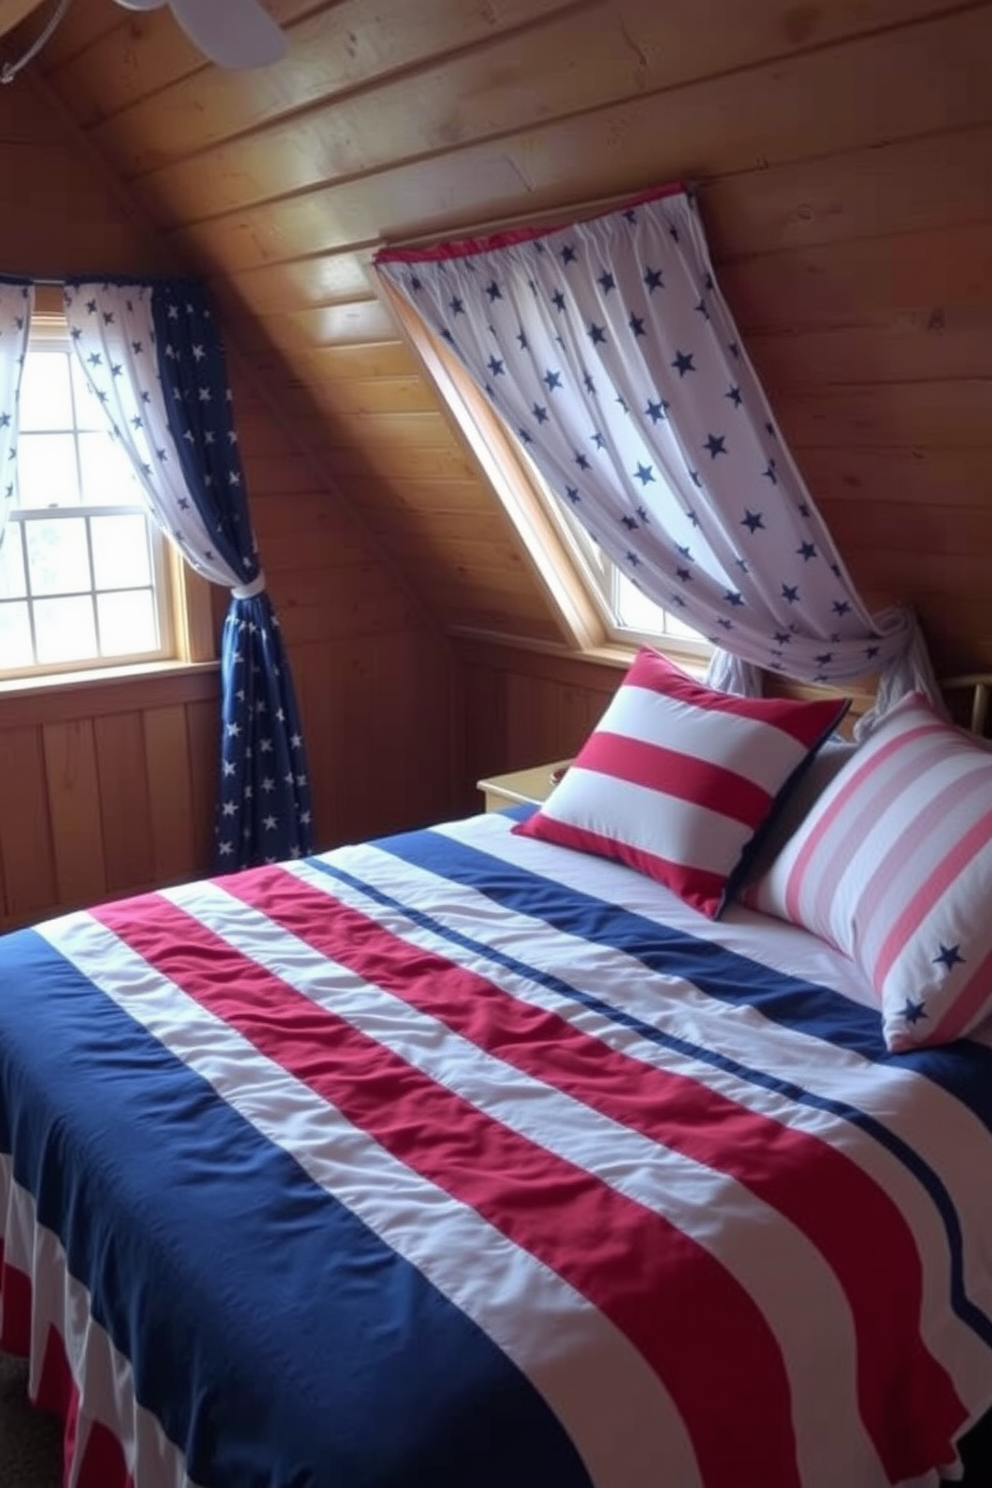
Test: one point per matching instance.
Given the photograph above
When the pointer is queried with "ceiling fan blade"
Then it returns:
(232, 33)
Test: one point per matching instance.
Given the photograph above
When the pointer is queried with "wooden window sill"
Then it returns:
(65, 695)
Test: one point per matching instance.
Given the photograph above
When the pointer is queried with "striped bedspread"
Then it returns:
(458, 1160)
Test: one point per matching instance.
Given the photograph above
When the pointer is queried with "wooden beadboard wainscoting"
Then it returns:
(524, 706)
(106, 787)
(109, 787)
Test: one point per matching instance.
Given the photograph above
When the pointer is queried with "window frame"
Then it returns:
(184, 605)
(559, 552)
(603, 577)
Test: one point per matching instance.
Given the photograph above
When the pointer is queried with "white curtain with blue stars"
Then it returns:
(154, 358)
(16, 304)
(608, 349)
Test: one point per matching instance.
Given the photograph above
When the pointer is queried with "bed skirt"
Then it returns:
(109, 1440)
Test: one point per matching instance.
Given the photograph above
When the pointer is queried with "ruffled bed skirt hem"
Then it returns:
(75, 1372)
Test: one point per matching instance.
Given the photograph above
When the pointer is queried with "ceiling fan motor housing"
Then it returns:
(231, 33)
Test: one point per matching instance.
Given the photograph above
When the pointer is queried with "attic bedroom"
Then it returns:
(455, 642)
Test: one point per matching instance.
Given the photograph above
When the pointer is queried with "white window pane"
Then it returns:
(635, 609)
(75, 589)
(636, 612)
(676, 627)
(46, 470)
(120, 552)
(626, 608)
(58, 557)
(46, 401)
(15, 637)
(107, 475)
(12, 582)
(65, 629)
(127, 623)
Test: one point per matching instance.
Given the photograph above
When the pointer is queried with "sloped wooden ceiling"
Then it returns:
(843, 156)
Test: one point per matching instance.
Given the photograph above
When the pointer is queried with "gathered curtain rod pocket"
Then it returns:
(495, 234)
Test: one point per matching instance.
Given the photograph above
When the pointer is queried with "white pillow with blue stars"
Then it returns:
(893, 866)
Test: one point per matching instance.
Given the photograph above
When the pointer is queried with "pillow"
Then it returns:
(893, 866)
(795, 802)
(676, 778)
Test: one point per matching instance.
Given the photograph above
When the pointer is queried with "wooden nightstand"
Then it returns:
(533, 785)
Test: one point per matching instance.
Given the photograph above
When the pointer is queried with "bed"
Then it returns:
(466, 1159)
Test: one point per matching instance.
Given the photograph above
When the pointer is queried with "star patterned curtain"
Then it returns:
(608, 350)
(154, 358)
(16, 304)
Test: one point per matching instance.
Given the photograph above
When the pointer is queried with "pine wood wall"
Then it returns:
(842, 154)
(525, 707)
(108, 787)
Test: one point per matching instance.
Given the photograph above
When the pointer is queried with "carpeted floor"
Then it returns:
(30, 1440)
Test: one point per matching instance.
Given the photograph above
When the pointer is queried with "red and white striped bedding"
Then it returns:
(464, 1159)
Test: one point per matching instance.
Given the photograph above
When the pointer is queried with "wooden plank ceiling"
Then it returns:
(842, 154)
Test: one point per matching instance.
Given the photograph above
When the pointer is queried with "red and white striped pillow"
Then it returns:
(893, 866)
(676, 778)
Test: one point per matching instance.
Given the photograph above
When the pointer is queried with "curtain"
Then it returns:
(154, 358)
(16, 304)
(609, 351)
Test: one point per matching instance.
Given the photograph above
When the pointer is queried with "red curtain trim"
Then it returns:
(465, 247)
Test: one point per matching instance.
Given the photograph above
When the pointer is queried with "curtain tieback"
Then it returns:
(248, 591)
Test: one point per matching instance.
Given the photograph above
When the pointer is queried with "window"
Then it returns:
(628, 614)
(85, 575)
(596, 601)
